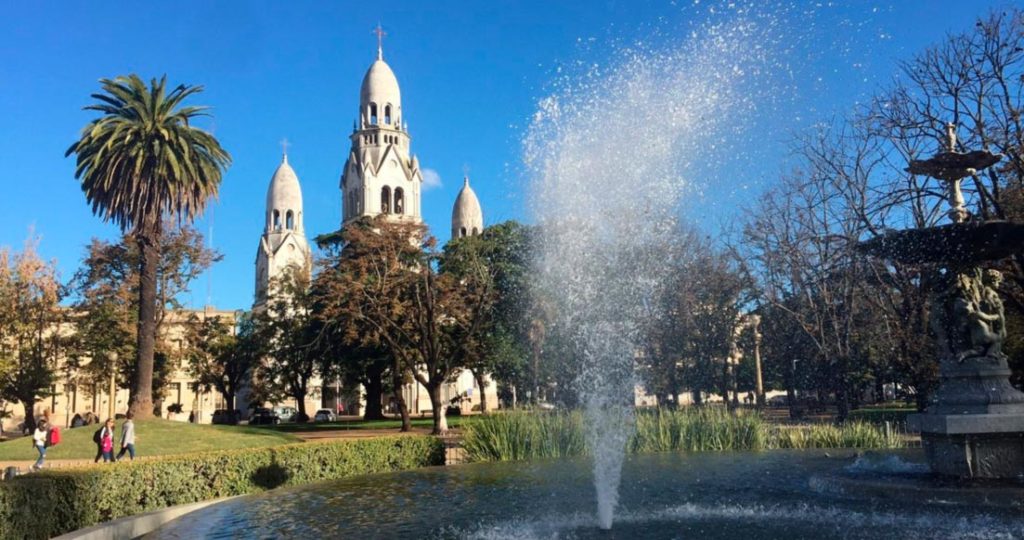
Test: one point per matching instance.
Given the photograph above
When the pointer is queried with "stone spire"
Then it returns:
(467, 216)
(381, 176)
(283, 244)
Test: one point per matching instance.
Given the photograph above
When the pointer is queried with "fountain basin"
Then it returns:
(776, 494)
(957, 244)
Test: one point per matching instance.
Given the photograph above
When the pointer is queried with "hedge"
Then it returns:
(56, 501)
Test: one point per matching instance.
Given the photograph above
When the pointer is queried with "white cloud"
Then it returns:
(431, 179)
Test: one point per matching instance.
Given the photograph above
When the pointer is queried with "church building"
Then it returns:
(380, 176)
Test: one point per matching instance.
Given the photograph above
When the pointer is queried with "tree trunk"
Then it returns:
(438, 408)
(483, 394)
(698, 399)
(142, 392)
(229, 400)
(300, 404)
(30, 415)
(724, 387)
(374, 392)
(403, 408)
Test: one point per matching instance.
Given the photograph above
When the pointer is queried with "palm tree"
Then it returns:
(139, 163)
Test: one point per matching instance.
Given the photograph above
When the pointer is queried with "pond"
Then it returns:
(777, 494)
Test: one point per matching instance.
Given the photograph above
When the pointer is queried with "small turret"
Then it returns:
(467, 217)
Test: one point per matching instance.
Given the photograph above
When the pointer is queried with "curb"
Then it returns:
(135, 526)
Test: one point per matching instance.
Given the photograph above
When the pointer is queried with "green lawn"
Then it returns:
(878, 415)
(453, 421)
(153, 438)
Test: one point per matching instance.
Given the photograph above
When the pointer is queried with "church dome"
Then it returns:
(380, 86)
(467, 217)
(284, 198)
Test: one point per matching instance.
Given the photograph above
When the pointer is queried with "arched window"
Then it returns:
(289, 221)
(373, 113)
(277, 220)
(385, 200)
(399, 200)
(387, 114)
(462, 232)
(475, 232)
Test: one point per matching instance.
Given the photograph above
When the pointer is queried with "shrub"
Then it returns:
(52, 502)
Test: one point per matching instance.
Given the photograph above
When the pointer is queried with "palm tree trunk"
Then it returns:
(142, 395)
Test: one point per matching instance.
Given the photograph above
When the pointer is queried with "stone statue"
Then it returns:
(967, 317)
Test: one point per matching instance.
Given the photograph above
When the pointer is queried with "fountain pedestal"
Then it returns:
(974, 427)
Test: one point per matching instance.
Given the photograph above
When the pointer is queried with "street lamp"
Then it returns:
(113, 389)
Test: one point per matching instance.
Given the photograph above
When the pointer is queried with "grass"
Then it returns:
(154, 437)
(879, 415)
(522, 435)
(291, 427)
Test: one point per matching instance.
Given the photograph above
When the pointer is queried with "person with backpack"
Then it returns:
(107, 441)
(104, 439)
(39, 442)
(127, 437)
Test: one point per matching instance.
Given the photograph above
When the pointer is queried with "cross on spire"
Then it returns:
(380, 41)
(284, 148)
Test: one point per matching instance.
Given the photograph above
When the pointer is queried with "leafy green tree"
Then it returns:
(290, 331)
(498, 260)
(222, 358)
(106, 307)
(140, 162)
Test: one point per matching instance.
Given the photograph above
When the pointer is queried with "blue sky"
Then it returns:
(471, 74)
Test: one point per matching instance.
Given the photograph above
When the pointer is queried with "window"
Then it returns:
(462, 232)
(277, 220)
(475, 232)
(385, 200)
(387, 114)
(373, 113)
(399, 200)
(289, 221)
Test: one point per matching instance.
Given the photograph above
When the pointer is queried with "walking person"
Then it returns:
(104, 439)
(39, 441)
(127, 438)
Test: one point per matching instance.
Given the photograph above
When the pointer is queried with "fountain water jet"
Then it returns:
(608, 156)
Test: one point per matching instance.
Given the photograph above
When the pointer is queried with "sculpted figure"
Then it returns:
(981, 310)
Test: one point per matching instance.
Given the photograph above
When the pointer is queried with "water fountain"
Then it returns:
(605, 155)
(974, 425)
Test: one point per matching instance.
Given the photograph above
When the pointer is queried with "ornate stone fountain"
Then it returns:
(974, 424)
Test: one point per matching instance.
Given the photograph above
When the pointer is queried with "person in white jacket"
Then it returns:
(39, 441)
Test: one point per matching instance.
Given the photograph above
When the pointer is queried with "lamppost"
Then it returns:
(113, 388)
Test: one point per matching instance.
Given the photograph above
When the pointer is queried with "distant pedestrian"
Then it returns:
(127, 437)
(104, 439)
(39, 441)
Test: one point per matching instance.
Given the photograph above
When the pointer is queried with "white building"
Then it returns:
(380, 176)
(283, 246)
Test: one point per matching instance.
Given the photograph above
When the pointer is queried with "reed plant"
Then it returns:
(523, 435)
(853, 434)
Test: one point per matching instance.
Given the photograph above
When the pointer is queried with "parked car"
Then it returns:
(286, 414)
(263, 416)
(325, 415)
(224, 416)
